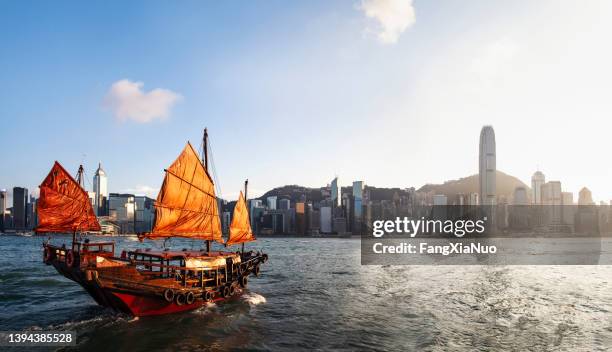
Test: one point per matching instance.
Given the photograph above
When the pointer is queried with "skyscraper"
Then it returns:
(537, 180)
(520, 196)
(271, 202)
(20, 203)
(3, 200)
(487, 167)
(358, 196)
(585, 197)
(100, 187)
(335, 193)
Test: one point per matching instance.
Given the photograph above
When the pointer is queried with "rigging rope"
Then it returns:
(214, 170)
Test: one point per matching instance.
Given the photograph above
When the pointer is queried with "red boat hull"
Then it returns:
(127, 302)
(141, 306)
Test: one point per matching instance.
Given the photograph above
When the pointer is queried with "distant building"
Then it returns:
(325, 220)
(335, 193)
(487, 166)
(257, 213)
(551, 197)
(31, 213)
(226, 220)
(108, 226)
(537, 181)
(300, 218)
(357, 218)
(520, 196)
(440, 199)
(473, 199)
(20, 211)
(585, 197)
(3, 208)
(567, 198)
(100, 188)
(284, 204)
(121, 210)
(271, 202)
(551, 193)
(144, 214)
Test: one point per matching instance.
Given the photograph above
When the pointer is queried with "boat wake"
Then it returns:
(205, 309)
(254, 299)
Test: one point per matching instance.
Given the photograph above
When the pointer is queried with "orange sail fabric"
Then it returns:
(186, 205)
(240, 229)
(64, 205)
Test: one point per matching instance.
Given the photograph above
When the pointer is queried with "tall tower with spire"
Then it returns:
(100, 187)
(487, 166)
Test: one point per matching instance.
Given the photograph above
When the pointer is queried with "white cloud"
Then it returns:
(141, 190)
(394, 17)
(128, 101)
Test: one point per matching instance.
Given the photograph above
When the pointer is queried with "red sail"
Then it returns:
(63, 205)
(186, 205)
(240, 229)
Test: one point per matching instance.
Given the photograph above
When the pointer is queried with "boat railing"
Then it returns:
(99, 248)
(187, 276)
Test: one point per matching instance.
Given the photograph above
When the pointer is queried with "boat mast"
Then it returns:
(81, 182)
(205, 161)
(246, 184)
(80, 178)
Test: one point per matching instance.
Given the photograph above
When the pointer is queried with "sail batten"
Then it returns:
(63, 205)
(186, 205)
(240, 228)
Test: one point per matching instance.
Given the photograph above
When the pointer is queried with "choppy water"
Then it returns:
(314, 294)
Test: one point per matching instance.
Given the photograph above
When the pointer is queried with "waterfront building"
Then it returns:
(100, 188)
(460, 199)
(108, 226)
(271, 202)
(335, 193)
(440, 199)
(567, 198)
(284, 204)
(325, 222)
(226, 220)
(144, 214)
(300, 218)
(31, 213)
(520, 196)
(121, 210)
(487, 166)
(569, 210)
(357, 222)
(585, 197)
(551, 197)
(3, 208)
(20, 211)
(257, 213)
(537, 181)
(473, 199)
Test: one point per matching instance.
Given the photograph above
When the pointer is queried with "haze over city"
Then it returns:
(294, 94)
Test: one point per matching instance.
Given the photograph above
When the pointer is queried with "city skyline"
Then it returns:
(271, 97)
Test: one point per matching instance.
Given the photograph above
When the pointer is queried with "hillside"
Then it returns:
(505, 185)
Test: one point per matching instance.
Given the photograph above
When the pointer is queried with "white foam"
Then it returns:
(205, 309)
(254, 299)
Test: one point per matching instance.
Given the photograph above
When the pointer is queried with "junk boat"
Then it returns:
(148, 282)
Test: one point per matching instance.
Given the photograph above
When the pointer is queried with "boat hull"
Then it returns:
(128, 301)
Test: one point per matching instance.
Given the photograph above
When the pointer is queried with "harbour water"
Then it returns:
(315, 294)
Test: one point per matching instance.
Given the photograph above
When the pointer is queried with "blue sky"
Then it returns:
(296, 92)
